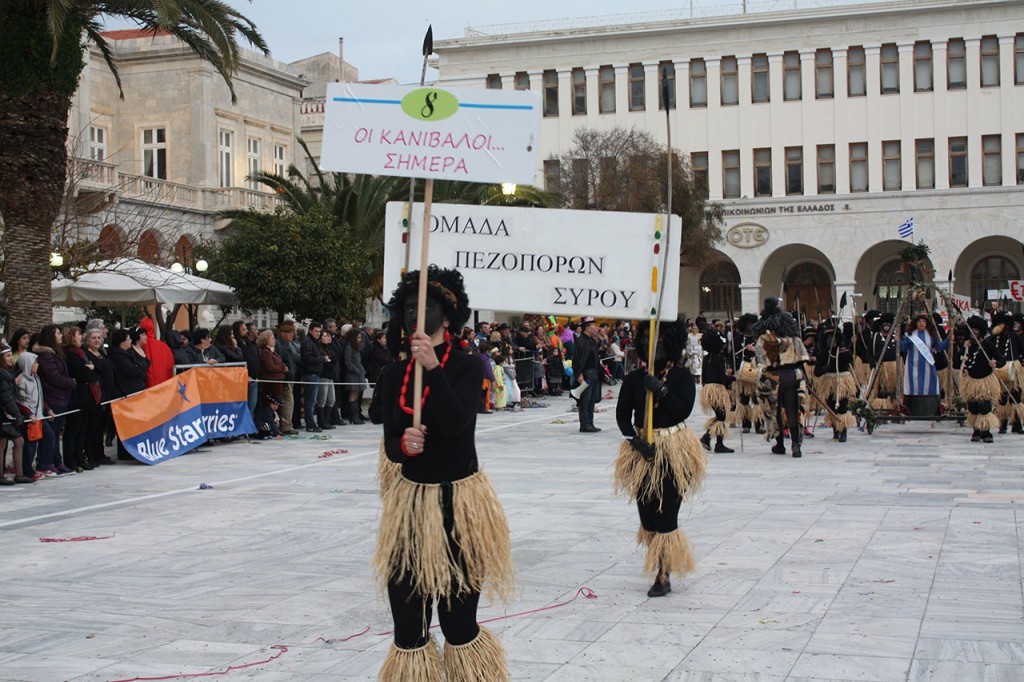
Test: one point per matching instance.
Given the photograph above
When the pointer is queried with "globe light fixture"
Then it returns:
(56, 260)
(177, 268)
(202, 265)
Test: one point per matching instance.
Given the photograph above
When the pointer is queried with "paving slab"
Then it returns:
(894, 556)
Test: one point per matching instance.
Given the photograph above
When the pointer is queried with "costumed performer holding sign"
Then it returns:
(662, 474)
(444, 537)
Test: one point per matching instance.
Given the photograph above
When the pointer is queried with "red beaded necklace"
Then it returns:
(408, 373)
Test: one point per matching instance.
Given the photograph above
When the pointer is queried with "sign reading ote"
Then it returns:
(551, 261)
(476, 135)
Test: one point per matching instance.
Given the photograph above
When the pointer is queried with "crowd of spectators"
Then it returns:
(56, 385)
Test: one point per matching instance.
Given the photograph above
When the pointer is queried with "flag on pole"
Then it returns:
(906, 230)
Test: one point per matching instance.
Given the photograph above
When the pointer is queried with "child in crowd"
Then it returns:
(268, 421)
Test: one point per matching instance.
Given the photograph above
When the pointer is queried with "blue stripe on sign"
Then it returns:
(526, 107)
(367, 101)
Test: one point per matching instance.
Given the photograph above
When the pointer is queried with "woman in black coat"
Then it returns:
(104, 370)
(130, 369)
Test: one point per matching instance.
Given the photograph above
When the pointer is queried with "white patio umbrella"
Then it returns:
(129, 281)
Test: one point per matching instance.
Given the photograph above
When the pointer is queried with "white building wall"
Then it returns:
(951, 220)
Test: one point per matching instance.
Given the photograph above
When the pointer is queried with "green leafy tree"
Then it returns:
(41, 47)
(308, 264)
(623, 169)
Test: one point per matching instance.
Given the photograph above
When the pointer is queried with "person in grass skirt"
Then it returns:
(979, 386)
(884, 355)
(715, 397)
(1006, 332)
(443, 539)
(833, 367)
(662, 474)
(781, 387)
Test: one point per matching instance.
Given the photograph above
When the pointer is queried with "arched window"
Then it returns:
(890, 285)
(720, 288)
(993, 273)
(809, 291)
(109, 243)
(149, 247)
(183, 251)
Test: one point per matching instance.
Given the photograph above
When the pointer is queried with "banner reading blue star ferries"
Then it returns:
(184, 412)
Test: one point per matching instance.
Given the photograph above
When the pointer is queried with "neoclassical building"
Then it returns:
(821, 131)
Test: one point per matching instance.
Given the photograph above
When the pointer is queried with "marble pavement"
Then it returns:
(896, 556)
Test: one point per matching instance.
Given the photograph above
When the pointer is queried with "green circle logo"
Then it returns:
(430, 104)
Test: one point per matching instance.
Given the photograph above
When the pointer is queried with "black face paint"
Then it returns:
(434, 316)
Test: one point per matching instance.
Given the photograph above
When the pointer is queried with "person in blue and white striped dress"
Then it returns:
(920, 346)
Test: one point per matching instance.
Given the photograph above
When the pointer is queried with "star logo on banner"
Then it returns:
(181, 389)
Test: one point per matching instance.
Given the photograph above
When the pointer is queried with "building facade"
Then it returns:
(821, 132)
(149, 172)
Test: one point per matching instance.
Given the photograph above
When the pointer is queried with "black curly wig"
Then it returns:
(671, 334)
(444, 286)
(777, 320)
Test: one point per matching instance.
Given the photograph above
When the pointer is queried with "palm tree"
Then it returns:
(41, 48)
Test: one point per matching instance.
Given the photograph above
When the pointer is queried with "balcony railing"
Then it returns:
(102, 175)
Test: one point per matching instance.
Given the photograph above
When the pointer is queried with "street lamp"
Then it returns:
(177, 268)
(202, 265)
(508, 188)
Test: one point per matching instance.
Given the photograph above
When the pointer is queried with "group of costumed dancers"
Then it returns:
(444, 538)
(828, 367)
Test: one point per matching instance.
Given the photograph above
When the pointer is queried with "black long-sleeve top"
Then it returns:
(1010, 345)
(976, 363)
(864, 344)
(880, 352)
(449, 450)
(670, 410)
(740, 343)
(833, 360)
(713, 371)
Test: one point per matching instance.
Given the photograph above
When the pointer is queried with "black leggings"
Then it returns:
(412, 614)
(666, 520)
(788, 405)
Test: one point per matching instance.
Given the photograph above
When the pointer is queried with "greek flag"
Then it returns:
(906, 230)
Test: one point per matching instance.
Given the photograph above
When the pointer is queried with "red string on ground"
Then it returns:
(281, 649)
(584, 591)
(332, 453)
(80, 538)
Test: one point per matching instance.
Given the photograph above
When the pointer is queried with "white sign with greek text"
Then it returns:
(547, 261)
(477, 135)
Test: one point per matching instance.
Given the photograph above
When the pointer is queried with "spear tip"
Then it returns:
(428, 41)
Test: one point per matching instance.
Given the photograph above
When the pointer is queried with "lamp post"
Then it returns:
(187, 268)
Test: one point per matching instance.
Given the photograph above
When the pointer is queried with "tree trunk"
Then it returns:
(36, 86)
(33, 163)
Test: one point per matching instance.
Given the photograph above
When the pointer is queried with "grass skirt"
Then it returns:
(974, 390)
(841, 422)
(677, 453)
(412, 665)
(667, 552)
(716, 428)
(862, 371)
(887, 380)
(715, 397)
(480, 660)
(387, 471)
(832, 387)
(412, 540)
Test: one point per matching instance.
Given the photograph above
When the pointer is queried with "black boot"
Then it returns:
(1002, 428)
(661, 586)
(976, 436)
(720, 446)
(1017, 427)
(779, 448)
(336, 417)
(353, 413)
(759, 428)
(986, 437)
(842, 436)
(835, 433)
(705, 440)
(322, 416)
(796, 445)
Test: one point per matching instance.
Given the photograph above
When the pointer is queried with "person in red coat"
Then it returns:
(161, 358)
